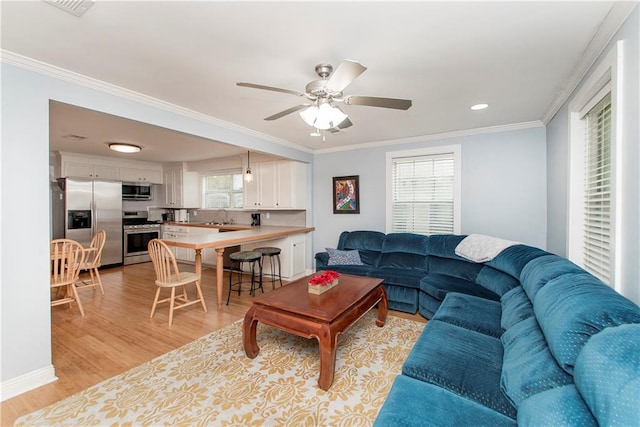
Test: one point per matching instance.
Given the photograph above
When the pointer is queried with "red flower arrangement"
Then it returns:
(325, 278)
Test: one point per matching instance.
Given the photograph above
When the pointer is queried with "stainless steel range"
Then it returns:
(138, 231)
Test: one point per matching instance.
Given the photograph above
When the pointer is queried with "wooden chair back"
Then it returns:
(164, 262)
(67, 257)
(94, 256)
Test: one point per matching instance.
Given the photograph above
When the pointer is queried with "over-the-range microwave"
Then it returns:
(136, 191)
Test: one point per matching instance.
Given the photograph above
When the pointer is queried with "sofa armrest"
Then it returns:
(322, 261)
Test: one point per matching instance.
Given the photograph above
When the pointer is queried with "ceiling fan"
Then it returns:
(320, 111)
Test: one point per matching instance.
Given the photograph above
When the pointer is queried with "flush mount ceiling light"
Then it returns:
(122, 147)
(248, 176)
(478, 107)
(324, 117)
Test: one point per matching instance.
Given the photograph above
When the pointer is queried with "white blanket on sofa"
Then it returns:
(481, 248)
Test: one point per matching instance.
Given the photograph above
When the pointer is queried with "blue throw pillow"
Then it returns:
(338, 257)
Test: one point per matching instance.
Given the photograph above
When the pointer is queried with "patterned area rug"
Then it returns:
(211, 381)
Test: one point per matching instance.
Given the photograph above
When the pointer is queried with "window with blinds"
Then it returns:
(222, 190)
(423, 194)
(597, 190)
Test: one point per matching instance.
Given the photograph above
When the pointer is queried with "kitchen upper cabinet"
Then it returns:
(151, 176)
(181, 187)
(89, 170)
(280, 184)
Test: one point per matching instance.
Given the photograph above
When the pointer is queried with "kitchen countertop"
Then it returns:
(242, 234)
(226, 227)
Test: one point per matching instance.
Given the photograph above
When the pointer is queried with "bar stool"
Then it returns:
(240, 258)
(272, 253)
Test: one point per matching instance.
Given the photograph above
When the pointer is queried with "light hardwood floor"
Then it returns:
(117, 334)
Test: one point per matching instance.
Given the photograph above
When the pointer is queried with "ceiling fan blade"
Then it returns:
(346, 72)
(372, 101)
(275, 89)
(345, 124)
(287, 111)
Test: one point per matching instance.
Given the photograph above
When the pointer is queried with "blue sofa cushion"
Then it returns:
(573, 307)
(469, 312)
(439, 285)
(496, 281)
(400, 276)
(413, 403)
(406, 242)
(538, 272)
(444, 245)
(513, 259)
(454, 268)
(562, 406)
(515, 307)
(338, 257)
(464, 362)
(367, 243)
(607, 375)
(528, 366)
(403, 260)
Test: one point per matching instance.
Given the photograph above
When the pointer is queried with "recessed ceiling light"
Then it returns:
(124, 148)
(479, 107)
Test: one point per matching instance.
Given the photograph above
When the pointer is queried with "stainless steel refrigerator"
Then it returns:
(82, 207)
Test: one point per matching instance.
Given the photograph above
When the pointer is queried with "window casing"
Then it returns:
(423, 191)
(222, 190)
(595, 172)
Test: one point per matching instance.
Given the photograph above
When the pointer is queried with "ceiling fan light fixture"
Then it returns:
(324, 117)
(122, 147)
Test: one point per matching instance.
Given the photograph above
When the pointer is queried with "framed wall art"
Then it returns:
(346, 194)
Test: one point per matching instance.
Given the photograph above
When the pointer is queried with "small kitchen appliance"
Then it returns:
(255, 219)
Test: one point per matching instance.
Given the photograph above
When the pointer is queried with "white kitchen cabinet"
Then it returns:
(89, 170)
(151, 176)
(181, 187)
(293, 256)
(181, 254)
(208, 255)
(277, 184)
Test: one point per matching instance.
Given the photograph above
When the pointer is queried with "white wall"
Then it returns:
(25, 330)
(558, 164)
(503, 186)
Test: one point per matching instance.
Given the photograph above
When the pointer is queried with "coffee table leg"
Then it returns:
(383, 308)
(249, 341)
(328, 343)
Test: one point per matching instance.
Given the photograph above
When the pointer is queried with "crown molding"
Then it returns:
(435, 137)
(46, 69)
(616, 17)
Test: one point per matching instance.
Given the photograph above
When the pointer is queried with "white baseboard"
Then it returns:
(27, 382)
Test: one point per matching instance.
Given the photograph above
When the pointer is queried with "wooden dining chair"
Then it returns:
(67, 256)
(168, 276)
(92, 261)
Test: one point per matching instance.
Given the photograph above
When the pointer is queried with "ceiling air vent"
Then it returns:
(74, 7)
(74, 137)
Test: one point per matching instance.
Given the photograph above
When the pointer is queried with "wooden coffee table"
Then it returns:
(293, 309)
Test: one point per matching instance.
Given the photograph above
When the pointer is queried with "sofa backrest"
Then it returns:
(367, 243)
(573, 307)
(405, 250)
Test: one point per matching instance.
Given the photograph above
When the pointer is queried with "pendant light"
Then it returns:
(248, 176)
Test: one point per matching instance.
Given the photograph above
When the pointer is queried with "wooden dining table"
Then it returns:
(220, 241)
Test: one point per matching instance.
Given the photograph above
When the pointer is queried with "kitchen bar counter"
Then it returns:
(220, 227)
(219, 241)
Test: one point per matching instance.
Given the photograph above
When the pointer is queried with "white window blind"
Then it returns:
(597, 191)
(423, 194)
(222, 190)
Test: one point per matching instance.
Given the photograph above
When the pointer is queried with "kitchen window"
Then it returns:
(222, 190)
(424, 191)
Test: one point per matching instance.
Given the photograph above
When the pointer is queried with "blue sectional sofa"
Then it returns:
(526, 338)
